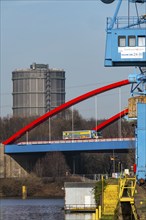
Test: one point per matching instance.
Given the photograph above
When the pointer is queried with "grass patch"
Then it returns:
(99, 187)
(112, 181)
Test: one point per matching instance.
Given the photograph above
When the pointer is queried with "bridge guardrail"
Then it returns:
(75, 141)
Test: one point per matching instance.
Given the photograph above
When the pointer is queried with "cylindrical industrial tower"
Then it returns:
(37, 90)
(57, 88)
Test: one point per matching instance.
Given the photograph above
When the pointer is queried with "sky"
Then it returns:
(67, 35)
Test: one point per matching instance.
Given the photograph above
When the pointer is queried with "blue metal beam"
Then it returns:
(87, 146)
(141, 142)
(115, 16)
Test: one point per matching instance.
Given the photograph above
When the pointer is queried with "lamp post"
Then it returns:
(113, 159)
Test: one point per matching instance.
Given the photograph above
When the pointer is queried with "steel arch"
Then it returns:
(111, 120)
(62, 107)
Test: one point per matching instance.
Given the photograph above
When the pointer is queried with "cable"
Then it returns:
(137, 12)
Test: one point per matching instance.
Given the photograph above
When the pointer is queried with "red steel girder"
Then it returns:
(111, 120)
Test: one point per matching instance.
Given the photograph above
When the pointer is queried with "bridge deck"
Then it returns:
(98, 145)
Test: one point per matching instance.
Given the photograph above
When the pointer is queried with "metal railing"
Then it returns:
(79, 207)
(129, 22)
(127, 184)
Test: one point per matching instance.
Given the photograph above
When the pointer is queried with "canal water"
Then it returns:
(36, 209)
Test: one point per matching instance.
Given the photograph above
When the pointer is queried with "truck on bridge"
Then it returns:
(82, 134)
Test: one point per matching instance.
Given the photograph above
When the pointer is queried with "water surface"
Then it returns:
(29, 209)
(37, 209)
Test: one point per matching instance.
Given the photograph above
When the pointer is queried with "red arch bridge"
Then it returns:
(85, 145)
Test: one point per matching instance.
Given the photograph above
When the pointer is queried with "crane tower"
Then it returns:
(126, 46)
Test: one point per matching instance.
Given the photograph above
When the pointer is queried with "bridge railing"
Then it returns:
(75, 141)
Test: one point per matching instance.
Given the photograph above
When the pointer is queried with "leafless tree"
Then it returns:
(52, 165)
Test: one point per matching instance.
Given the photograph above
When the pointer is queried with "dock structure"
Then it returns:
(120, 199)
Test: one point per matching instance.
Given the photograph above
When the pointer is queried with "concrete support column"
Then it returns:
(9, 167)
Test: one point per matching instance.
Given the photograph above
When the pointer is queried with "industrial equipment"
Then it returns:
(126, 37)
(126, 46)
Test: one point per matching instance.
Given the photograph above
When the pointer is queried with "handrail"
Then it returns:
(127, 183)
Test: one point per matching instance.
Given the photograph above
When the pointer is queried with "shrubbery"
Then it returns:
(36, 187)
(13, 187)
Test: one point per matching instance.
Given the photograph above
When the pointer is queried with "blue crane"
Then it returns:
(126, 46)
(126, 38)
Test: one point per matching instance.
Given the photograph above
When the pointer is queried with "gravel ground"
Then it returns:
(140, 201)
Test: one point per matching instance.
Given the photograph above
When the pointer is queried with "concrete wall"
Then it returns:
(9, 167)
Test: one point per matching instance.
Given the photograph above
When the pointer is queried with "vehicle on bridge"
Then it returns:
(82, 134)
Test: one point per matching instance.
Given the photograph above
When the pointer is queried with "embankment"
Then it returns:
(36, 187)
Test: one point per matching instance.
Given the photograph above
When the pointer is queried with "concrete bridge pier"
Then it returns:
(9, 167)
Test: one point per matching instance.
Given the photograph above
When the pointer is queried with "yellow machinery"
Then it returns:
(126, 193)
(117, 197)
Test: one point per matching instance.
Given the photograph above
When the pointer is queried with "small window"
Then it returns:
(122, 41)
(131, 41)
(141, 41)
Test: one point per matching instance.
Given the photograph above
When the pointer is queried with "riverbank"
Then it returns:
(36, 187)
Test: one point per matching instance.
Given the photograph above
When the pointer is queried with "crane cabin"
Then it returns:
(126, 47)
(126, 39)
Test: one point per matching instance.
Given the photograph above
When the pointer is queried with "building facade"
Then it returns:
(37, 90)
(79, 196)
